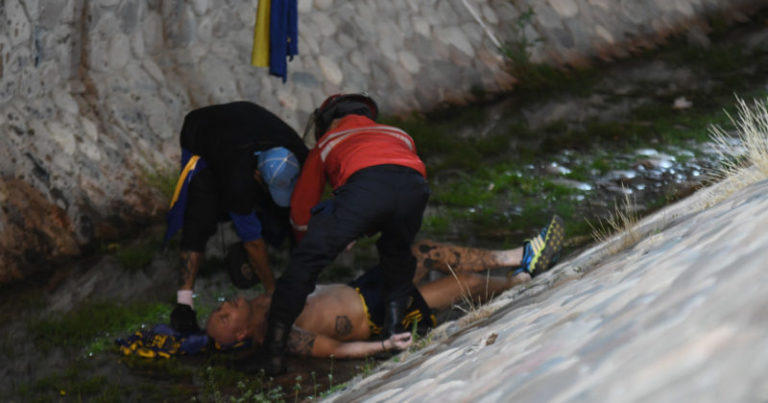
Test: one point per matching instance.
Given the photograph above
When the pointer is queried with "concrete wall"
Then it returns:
(93, 92)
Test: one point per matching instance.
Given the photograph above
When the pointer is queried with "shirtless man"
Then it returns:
(335, 320)
(339, 319)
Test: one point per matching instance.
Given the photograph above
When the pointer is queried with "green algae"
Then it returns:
(469, 169)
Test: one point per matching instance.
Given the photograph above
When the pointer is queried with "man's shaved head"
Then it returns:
(229, 322)
(238, 319)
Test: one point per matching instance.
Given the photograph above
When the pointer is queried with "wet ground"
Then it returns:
(577, 143)
(573, 145)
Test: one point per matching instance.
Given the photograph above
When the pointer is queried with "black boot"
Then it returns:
(393, 316)
(274, 348)
(270, 358)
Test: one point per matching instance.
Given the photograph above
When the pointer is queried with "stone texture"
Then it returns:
(17, 23)
(455, 37)
(330, 70)
(566, 8)
(409, 61)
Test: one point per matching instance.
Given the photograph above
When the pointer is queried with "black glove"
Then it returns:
(184, 319)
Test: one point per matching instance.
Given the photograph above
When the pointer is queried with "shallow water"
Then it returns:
(637, 126)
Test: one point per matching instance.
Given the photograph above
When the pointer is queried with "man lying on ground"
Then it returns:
(339, 319)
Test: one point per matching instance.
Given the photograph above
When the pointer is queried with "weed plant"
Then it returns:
(161, 178)
(745, 155)
(620, 222)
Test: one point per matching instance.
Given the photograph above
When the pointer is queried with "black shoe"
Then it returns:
(270, 358)
(274, 348)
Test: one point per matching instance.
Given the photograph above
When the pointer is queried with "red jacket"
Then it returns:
(356, 143)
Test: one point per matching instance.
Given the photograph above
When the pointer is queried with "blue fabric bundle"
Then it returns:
(162, 341)
(283, 36)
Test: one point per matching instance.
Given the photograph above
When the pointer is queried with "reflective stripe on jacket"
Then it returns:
(356, 143)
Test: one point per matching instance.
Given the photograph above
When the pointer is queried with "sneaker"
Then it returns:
(540, 251)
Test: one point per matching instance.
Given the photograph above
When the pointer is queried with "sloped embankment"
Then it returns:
(679, 315)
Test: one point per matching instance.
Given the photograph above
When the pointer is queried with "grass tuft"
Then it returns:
(620, 222)
(161, 178)
(751, 150)
(744, 155)
(466, 294)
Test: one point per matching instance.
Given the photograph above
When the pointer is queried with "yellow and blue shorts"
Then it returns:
(371, 290)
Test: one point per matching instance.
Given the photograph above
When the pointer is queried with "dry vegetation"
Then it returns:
(621, 221)
(745, 153)
(744, 156)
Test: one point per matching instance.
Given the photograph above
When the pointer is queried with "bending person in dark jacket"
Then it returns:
(379, 185)
(243, 161)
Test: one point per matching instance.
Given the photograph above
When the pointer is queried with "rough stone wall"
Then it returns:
(93, 92)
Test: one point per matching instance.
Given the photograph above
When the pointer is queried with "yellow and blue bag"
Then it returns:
(162, 341)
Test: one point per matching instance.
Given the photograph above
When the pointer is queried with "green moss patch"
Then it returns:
(96, 324)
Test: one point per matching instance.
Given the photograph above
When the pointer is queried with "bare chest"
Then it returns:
(337, 313)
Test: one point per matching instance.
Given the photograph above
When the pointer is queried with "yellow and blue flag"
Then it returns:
(260, 52)
(276, 35)
(283, 36)
(174, 218)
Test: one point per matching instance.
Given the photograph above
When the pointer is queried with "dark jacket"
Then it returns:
(226, 136)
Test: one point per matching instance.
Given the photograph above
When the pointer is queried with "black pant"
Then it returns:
(205, 209)
(202, 211)
(387, 199)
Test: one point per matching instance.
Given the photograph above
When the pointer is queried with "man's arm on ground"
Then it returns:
(257, 257)
(308, 344)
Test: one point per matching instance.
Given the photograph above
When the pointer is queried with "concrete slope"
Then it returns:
(681, 315)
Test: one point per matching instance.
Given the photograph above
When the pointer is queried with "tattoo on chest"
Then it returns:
(343, 325)
(300, 341)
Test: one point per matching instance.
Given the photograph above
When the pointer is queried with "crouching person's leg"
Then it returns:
(328, 234)
(397, 260)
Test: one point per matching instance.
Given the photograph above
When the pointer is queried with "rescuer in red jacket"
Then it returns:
(379, 185)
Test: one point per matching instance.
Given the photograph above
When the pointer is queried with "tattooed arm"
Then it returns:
(305, 343)
(190, 262)
(257, 257)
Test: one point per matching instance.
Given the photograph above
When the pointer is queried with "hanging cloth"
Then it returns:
(283, 36)
(174, 218)
(260, 52)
